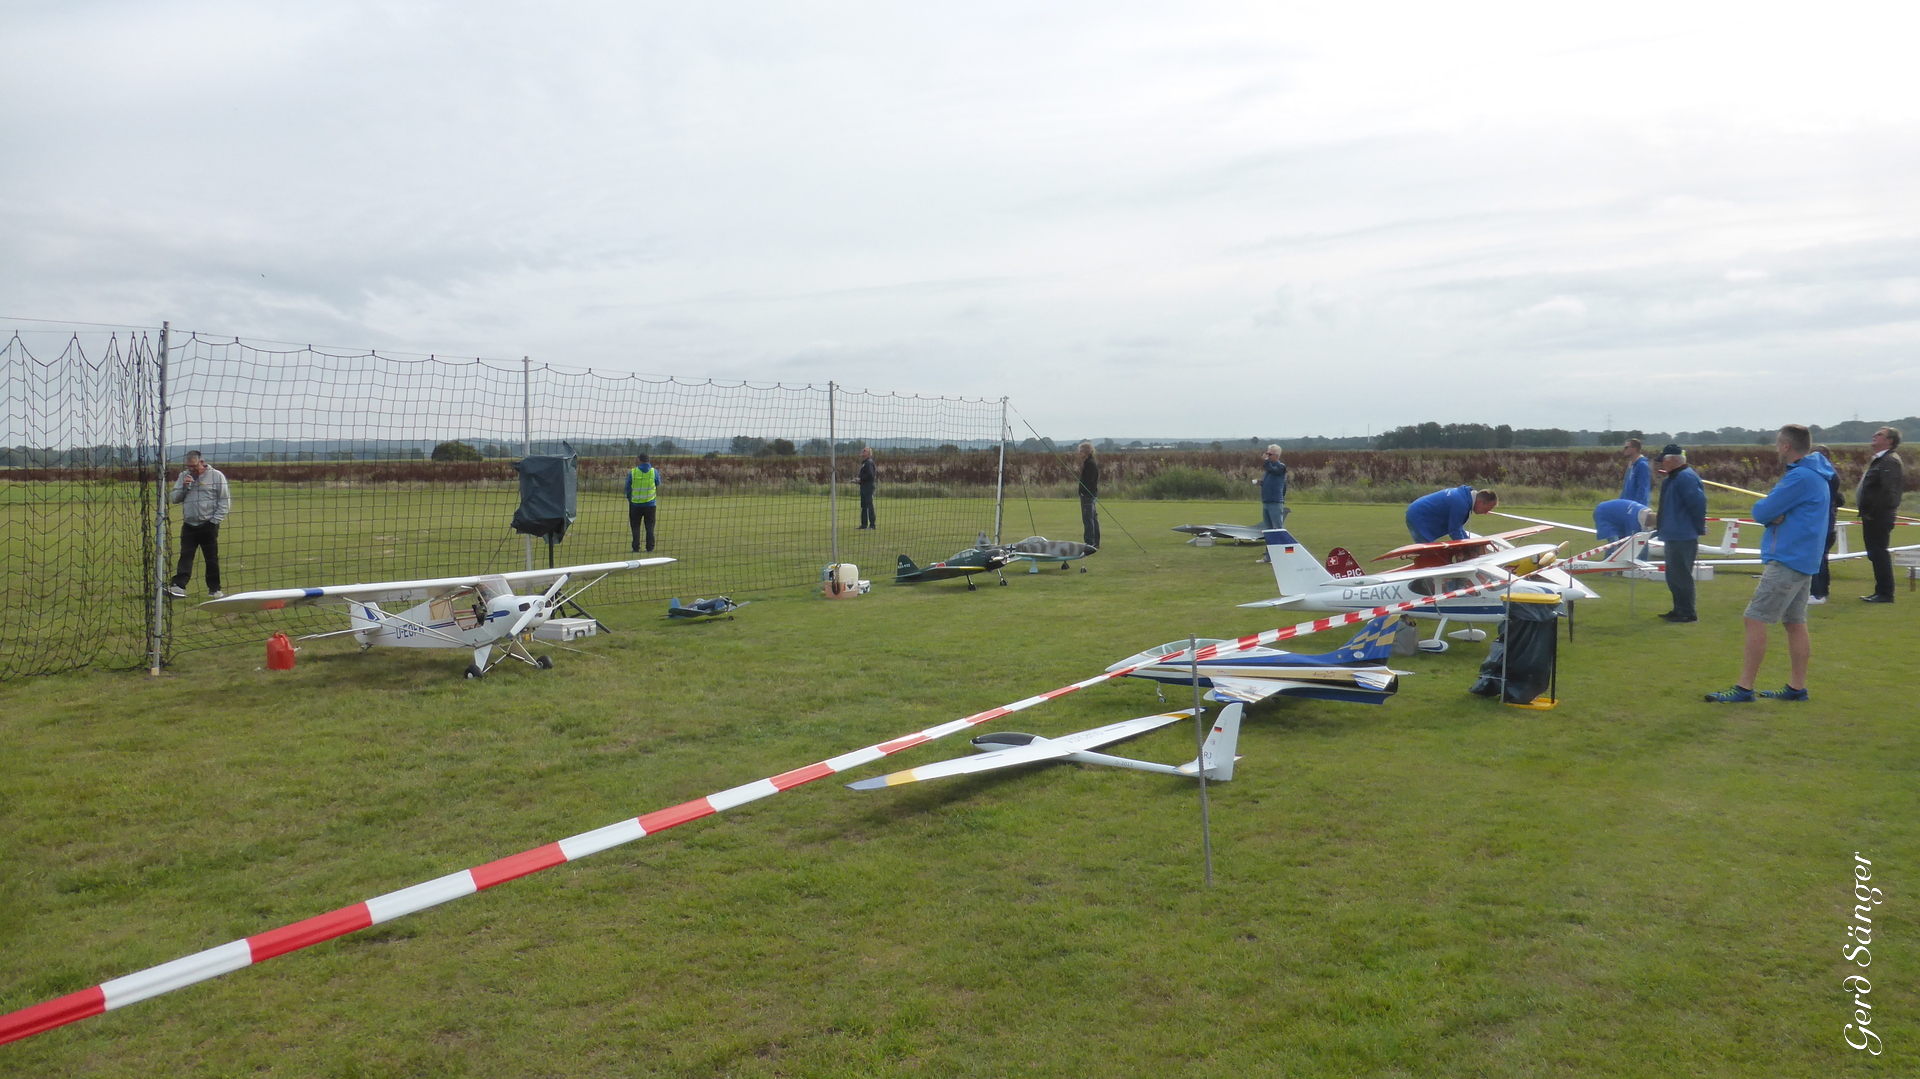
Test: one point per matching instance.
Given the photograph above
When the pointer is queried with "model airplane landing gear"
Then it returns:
(474, 671)
(545, 663)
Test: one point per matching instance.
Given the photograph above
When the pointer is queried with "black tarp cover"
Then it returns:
(548, 496)
(1524, 656)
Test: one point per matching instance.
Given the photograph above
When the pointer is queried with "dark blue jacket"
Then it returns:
(1638, 484)
(1617, 518)
(1442, 513)
(1795, 513)
(1683, 507)
(1273, 485)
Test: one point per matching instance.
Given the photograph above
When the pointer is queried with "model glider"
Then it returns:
(1650, 553)
(703, 610)
(1006, 749)
(1037, 549)
(1244, 534)
(1441, 567)
(475, 613)
(983, 558)
(1352, 672)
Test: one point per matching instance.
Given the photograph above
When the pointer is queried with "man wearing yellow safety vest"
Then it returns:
(643, 492)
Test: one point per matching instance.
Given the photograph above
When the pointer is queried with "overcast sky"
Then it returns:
(1186, 219)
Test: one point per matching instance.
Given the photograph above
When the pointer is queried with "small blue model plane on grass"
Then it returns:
(702, 610)
(1352, 672)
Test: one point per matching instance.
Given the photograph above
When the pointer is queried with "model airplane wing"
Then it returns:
(1236, 533)
(1543, 521)
(383, 591)
(1040, 749)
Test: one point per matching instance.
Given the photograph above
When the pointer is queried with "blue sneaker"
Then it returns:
(1736, 695)
(1784, 693)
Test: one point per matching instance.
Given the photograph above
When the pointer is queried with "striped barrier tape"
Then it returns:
(232, 956)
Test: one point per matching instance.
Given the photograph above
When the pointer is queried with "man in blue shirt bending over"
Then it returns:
(1444, 514)
(1795, 513)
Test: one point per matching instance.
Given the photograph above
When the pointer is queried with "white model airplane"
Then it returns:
(1351, 672)
(1341, 585)
(475, 613)
(1005, 749)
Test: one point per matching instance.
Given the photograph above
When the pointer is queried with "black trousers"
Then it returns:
(866, 507)
(1679, 555)
(204, 538)
(638, 514)
(1877, 531)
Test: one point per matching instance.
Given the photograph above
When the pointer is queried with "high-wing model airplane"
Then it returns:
(1037, 549)
(984, 558)
(1230, 533)
(1341, 585)
(1351, 672)
(474, 612)
(1005, 749)
(1647, 549)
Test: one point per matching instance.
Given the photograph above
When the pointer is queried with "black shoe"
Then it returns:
(1672, 617)
(1876, 599)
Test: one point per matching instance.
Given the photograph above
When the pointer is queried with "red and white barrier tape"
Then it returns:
(247, 951)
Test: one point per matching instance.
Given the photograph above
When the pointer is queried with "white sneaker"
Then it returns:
(1816, 599)
(176, 591)
(217, 594)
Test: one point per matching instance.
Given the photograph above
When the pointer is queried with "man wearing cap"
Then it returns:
(1638, 482)
(1681, 521)
(1795, 513)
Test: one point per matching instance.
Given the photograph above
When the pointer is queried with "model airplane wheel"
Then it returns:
(473, 671)
(545, 663)
(1003, 582)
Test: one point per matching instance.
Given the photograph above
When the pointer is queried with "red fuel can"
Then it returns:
(279, 653)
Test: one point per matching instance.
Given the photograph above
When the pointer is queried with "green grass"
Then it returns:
(1634, 884)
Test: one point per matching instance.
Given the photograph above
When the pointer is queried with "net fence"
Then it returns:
(359, 467)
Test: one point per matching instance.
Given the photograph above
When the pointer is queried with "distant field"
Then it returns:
(1633, 884)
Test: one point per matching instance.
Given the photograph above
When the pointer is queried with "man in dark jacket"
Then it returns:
(1878, 497)
(1089, 495)
(1823, 580)
(869, 477)
(1681, 522)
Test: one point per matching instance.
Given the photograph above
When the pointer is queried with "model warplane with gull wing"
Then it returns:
(476, 612)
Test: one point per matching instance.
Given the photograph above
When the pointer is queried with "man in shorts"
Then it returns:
(1795, 513)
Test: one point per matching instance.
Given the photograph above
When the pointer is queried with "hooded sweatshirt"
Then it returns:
(1799, 502)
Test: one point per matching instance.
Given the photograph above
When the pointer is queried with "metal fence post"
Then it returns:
(156, 630)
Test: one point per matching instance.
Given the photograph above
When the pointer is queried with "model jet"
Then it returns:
(703, 610)
(1037, 549)
(1005, 749)
(983, 558)
(1352, 672)
(1244, 534)
(1341, 585)
(475, 613)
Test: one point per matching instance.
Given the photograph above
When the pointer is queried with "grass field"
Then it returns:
(1633, 884)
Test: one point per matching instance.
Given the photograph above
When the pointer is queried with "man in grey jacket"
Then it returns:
(202, 495)
(1878, 499)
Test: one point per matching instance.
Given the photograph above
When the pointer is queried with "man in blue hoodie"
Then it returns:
(1795, 513)
(1443, 514)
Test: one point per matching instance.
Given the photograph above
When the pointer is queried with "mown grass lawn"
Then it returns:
(1633, 884)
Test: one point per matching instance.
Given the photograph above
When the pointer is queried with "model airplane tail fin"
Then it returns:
(1382, 637)
(905, 568)
(1730, 539)
(1218, 752)
(1294, 568)
(1341, 563)
(362, 619)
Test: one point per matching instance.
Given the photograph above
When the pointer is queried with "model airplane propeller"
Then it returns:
(1006, 749)
(475, 613)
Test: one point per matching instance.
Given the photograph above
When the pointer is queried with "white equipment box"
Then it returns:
(566, 629)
